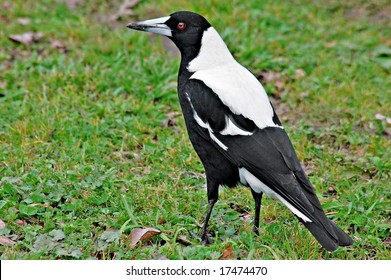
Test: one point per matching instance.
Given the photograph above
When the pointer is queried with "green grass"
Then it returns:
(87, 155)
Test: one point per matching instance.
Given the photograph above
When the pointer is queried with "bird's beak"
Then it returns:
(156, 25)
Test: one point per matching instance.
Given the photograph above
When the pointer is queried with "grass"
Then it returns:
(92, 145)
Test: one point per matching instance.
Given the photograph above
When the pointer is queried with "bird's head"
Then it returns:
(184, 28)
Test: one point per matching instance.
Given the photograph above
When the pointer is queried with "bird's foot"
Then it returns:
(206, 238)
(256, 230)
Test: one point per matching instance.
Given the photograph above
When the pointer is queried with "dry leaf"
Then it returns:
(5, 240)
(26, 38)
(299, 73)
(21, 223)
(142, 234)
(24, 21)
(271, 77)
(330, 44)
(2, 224)
(381, 117)
(58, 45)
(228, 253)
(182, 239)
(246, 217)
(172, 120)
(125, 9)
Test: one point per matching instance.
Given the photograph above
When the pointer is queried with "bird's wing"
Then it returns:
(266, 153)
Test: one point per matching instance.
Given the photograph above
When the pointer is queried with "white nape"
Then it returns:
(247, 178)
(236, 87)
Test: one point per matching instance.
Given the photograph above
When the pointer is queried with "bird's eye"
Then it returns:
(181, 26)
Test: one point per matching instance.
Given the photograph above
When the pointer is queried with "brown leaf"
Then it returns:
(246, 217)
(182, 239)
(269, 76)
(228, 253)
(381, 117)
(58, 45)
(24, 21)
(125, 9)
(330, 44)
(172, 120)
(5, 240)
(299, 73)
(26, 38)
(274, 78)
(2, 224)
(21, 223)
(142, 234)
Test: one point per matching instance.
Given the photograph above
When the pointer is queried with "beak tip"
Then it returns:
(130, 25)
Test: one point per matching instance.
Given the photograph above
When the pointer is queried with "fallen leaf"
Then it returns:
(21, 223)
(26, 38)
(5, 240)
(269, 76)
(228, 253)
(172, 120)
(299, 73)
(6, 5)
(142, 234)
(182, 239)
(2, 224)
(246, 217)
(330, 44)
(125, 10)
(58, 45)
(381, 117)
(24, 21)
(273, 78)
(3, 85)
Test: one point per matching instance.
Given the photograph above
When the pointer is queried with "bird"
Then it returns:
(235, 130)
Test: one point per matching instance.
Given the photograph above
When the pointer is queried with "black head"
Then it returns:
(184, 28)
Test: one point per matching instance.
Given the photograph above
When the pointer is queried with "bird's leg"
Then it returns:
(204, 235)
(258, 199)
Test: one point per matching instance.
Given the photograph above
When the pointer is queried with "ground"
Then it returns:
(93, 144)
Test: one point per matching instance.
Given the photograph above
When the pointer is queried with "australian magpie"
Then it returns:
(234, 128)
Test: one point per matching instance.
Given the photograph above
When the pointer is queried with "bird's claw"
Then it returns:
(206, 238)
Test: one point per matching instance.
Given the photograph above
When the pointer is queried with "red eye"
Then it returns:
(181, 26)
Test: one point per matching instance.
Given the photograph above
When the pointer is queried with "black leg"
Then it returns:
(258, 199)
(204, 234)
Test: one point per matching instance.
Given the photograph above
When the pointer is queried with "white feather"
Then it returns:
(206, 125)
(247, 178)
(235, 85)
(232, 129)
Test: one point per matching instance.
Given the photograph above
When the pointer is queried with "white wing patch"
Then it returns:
(206, 125)
(232, 129)
(237, 88)
(248, 178)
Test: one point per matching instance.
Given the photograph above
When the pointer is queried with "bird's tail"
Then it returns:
(328, 234)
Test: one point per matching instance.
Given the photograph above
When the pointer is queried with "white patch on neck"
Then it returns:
(213, 52)
(247, 178)
(237, 87)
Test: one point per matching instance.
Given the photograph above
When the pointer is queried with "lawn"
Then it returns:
(93, 144)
